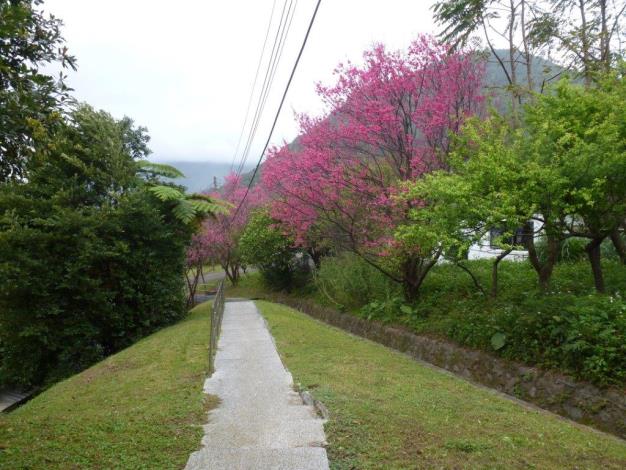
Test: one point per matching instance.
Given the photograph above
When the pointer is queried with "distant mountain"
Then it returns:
(544, 72)
(201, 176)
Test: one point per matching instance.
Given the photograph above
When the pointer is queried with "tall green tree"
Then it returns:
(583, 36)
(495, 181)
(30, 100)
(264, 244)
(91, 260)
(588, 34)
(497, 22)
(583, 131)
(563, 171)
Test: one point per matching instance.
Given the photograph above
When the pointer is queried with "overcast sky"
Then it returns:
(184, 69)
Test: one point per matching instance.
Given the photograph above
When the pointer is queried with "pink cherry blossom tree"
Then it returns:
(218, 240)
(387, 121)
(198, 255)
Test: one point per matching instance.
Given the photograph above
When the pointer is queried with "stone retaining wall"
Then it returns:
(604, 409)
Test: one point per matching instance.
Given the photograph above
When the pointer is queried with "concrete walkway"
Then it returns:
(261, 423)
(11, 398)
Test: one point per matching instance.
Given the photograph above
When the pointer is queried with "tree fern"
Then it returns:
(167, 193)
(159, 170)
(189, 208)
(185, 211)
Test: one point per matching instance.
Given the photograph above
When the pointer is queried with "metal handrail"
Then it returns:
(217, 313)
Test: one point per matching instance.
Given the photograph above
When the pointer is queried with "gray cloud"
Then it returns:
(184, 69)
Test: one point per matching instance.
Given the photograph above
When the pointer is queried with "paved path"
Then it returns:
(219, 275)
(10, 398)
(261, 423)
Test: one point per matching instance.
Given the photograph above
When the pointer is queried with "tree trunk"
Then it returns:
(474, 279)
(527, 57)
(605, 47)
(593, 253)
(512, 63)
(584, 40)
(415, 271)
(192, 286)
(543, 268)
(494, 272)
(232, 273)
(620, 246)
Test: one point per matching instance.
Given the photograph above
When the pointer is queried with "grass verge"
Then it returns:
(388, 411)
(139, 408)
(570, 329)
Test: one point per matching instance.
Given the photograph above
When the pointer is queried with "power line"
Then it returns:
(264, 86)
(282, 101)
(275, 56)
(273, 70)
(265, 83)
(256, 76)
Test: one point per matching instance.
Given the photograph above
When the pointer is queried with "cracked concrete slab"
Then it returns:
(261, 422)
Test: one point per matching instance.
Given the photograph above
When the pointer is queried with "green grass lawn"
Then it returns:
(140, 408)
(570, 328)
(391, 412)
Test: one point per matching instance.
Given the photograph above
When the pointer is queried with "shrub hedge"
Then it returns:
(570, 328)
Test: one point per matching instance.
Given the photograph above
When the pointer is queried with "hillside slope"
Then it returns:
(139, 408)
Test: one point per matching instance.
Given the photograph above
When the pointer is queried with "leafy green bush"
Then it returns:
(570, 328)
(264, 245)
(349, 283)
(91, 261)
(388, 310)
(585, 335)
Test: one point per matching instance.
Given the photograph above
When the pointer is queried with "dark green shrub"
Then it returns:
(585, 336)
(90, 260)
(570, 328)
(389, 310)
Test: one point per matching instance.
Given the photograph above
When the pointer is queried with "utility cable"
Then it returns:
(272, 74)
(282, 101)
(256, 76)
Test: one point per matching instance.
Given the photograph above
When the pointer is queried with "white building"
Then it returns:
(488, 247)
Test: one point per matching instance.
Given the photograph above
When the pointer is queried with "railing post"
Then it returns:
(217, 313)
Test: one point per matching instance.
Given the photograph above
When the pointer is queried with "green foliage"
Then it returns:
(459, 206)
(263, 244)
(167, 193)
(568, 328)
(498, 340)
(155, 170)
(30, 100)
(564, 170)
(573, 249)
(387, 310)
(188, 208)
(581, 133)
(90, 260)
(349, 283)
(585, 335)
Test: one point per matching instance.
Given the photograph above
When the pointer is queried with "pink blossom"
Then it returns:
(387, 121)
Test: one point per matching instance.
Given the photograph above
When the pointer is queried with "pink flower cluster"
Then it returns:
(388, 120)
(217, 241)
